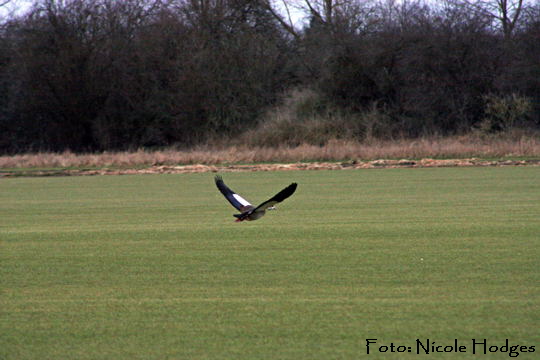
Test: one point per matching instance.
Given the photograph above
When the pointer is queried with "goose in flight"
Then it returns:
(250, 212)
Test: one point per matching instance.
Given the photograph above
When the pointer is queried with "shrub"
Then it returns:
(503, 112)
(304, 117)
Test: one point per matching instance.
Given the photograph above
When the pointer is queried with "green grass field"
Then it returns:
(154, 267)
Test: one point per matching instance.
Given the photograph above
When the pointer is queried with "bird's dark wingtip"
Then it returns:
(285, 193)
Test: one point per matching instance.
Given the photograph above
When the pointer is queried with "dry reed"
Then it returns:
(451, 147)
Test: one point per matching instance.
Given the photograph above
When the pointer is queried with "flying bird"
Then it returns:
(250, 212)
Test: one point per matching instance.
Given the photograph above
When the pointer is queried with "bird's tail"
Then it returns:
(239, 217)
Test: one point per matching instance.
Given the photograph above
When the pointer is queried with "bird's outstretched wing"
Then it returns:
(236, 200)
(279, 197)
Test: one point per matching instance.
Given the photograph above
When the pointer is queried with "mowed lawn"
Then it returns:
(154, 266)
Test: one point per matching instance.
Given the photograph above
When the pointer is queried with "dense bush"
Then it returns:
(93, 75)
(104, 74)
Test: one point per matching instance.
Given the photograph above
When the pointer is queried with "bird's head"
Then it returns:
(272, 208)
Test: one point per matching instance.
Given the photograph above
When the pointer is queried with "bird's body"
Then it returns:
(248, 211)
(250, 216)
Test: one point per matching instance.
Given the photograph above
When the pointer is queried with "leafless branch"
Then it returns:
(506, 12)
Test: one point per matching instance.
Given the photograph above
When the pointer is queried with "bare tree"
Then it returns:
(281, 11)
(4, 11)
(340, 16)
(336, 16)
(506, 14)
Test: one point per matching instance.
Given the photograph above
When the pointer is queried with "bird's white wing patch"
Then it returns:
(241, 200)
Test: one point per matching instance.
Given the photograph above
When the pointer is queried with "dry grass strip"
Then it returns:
(352, 154)
(168, 169)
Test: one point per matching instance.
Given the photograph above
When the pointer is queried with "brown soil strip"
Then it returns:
(375, 164)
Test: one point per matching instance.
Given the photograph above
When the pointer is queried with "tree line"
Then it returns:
(97, 75)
